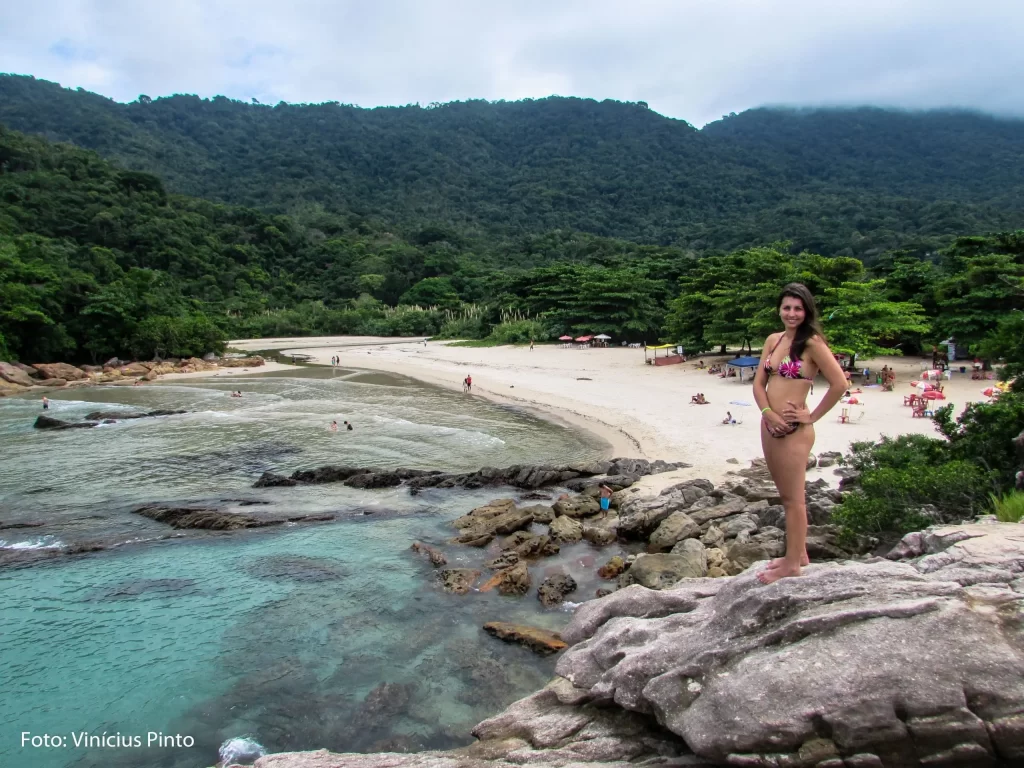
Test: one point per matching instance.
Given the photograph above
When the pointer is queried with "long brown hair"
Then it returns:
(810, 327)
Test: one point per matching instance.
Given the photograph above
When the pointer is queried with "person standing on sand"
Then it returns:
(467, 384)
(790, 360)
(531, 345)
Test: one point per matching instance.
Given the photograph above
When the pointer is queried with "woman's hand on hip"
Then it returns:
(798, 413)
(773, 422)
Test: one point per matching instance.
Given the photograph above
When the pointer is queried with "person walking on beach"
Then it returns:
(467, 384)
(531, 345)
(789, 362)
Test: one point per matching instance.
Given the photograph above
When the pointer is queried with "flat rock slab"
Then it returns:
(894, 663)
(541, 641)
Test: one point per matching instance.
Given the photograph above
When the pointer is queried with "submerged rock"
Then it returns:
(542, 641)
(297, 568)
(272, 480)
(553, 589)
(48, 422)
(437, 559)
(121, 415)
(203, 519)
(514, 580)
(458, 581)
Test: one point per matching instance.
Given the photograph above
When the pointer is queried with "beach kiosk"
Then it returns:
(743, 362)
(668, 357)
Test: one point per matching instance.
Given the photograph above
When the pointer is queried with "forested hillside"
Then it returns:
(845, 182)
(97, 261)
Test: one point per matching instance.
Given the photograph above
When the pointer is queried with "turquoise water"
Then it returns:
(282, 635)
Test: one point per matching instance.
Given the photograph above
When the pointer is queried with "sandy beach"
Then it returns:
(641, 410)
(267, 367)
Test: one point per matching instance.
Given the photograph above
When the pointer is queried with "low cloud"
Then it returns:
(689, 59)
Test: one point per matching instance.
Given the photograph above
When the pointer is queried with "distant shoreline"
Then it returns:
(639, 410)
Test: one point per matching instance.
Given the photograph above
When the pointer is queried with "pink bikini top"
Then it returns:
(788, 369)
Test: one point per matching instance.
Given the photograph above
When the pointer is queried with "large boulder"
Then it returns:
(237, 362)
(924, 659)
(566, 530)
(60, 371)
(7, 388)
(499, 517)
(577, 506)
(696, 556)
(14, 375)
(640, 515)
(660, 571)
(674, 528)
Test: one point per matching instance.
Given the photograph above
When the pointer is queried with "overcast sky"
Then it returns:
(691, 59)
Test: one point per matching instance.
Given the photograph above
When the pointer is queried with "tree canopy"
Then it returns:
(849, 182)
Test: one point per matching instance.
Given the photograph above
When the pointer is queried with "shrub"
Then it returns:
(517, 332)
(984, 434)
(891, 498)
(1010, 507)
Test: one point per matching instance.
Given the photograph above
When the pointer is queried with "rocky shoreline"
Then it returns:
(18, 378)
(914, 659)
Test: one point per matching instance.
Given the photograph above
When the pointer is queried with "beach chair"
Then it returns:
(844, 416)
(918, 412)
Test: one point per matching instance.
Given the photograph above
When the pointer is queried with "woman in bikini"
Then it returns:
(790, 361)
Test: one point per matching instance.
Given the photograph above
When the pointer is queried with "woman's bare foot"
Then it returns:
(783, 571)
(780, 561)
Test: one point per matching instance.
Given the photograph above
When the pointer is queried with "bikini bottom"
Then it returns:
(794, 426)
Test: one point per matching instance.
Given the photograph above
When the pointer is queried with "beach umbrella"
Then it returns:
(584, 338)
(565, 338)
(602, 336)
(924, 386)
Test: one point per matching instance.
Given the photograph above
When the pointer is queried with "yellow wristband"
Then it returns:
(766, 408)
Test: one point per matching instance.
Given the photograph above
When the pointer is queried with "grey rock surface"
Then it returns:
(916, 667)
(673, 529)
(565, 529)
(695, 555)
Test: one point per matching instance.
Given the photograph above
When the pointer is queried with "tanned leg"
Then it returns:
(790, 460)
(773, 459)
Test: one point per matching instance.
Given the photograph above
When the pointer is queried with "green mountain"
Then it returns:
(849, 182)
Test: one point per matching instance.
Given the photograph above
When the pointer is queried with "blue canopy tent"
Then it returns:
(744, 362)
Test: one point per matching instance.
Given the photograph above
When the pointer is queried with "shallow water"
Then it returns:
(285, 635)
(83, 483)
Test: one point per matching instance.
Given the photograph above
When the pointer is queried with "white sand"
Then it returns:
(641, 410)
(267, 367)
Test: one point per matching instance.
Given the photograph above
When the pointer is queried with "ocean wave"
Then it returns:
(43, 542)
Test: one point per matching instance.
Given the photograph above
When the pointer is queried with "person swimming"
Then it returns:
(334, 426)
(348, 426)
